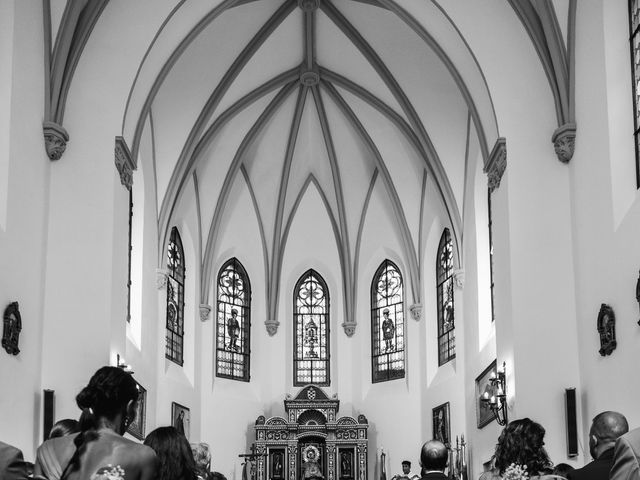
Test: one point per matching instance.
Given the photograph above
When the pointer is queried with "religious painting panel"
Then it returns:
(441, 424)
(137, 425)
(181, 418)
(484, 415)
(346, 463)
(276, 465)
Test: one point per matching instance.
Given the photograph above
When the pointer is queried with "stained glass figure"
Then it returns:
(311, 330)
(387, 323)
(634, 34)
(233, 322)
(175, 298)
(446, 317)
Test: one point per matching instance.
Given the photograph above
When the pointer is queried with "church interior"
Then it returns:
(335, 228)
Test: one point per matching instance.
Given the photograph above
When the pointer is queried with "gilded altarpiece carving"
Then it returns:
(310, 428)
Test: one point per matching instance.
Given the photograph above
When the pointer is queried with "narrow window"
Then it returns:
(387, 324)
(175, 298)
(233, 347)
(493, 314)
(634, 41)
(446, 324)
(311, 330)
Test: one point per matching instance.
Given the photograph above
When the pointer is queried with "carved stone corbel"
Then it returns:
(124, 162)
(349, 328)
(564, 139)
(416, 311)
(55, 139)
(205, 311)
(458, 278)
(162, 274)
(497, 163)
(272, 326)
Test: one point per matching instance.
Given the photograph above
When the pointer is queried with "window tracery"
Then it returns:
(175, 299)
(446, 316)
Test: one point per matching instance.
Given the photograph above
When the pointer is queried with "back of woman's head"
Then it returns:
(174, 454)
(64, 427)
(522, 442)
(108, 392)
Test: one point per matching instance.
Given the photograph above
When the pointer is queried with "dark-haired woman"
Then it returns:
(174, 454)
(64, 427)
(100, 452)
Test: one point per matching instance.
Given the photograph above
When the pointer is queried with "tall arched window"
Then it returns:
(311, 330)
(175, 298)
(387, 323)
(446, 324)
(233, 346)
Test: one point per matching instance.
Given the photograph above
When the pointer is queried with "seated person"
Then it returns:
(406, 472)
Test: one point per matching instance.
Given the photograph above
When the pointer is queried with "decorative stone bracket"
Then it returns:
(308, 5)
(416, 311)
(272, 326)
(205, 311)
(564, 139)
(55, 139)
(458, 278)
(124, 162)
(497, 163)
(349, 328)
(162, 274)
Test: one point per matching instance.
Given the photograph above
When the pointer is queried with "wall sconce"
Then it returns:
(497, 399)
(123, 365)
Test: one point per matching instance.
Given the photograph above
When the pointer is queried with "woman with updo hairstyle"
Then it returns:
(99, 451)
(175, 460)
(521, 444)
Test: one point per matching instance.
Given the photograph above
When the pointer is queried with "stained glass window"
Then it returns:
(446, 317)
(634, 29)
(175, 298)
(233, 345)
(311, 330)
(387, 323)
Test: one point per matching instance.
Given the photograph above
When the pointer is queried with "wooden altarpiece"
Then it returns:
(311, 424)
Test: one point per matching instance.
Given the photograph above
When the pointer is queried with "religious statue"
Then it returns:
(388, 331)
(233, 329)
(311, 337)
(310, 468)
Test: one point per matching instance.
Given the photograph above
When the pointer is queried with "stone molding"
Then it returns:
(309, 78)
(458, 278)
(416, 311)
(55, 139)
(272, 326)
(349, 328)
(564, 140)
(308, 5)
(162, 274)
(205, 311)
(124, 162)
(497, 163)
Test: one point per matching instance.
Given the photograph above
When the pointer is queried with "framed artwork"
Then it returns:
(136, 427)
(484, 415)
(181, 418)
(346, 463)
(441, 425)
(276, 464)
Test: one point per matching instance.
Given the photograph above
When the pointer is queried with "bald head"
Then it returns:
(434, 456)
(605, 429)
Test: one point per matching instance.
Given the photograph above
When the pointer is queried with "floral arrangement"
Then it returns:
(516, 472)
(109, 473)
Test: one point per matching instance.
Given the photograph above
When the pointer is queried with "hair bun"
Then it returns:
(86, 398)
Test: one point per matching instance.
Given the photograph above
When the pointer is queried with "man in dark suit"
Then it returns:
(626, 460)
(605, 430)
(12, 466)
(433, 460)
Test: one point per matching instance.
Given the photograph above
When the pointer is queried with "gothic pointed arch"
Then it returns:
(444, 290)
(175, 299)
(311, 352)
(233, 324)
(387, 323)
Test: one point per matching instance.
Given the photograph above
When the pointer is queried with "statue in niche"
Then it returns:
(233, 329)
(11, 329)
(311, 337)
(310, 468)
(388, 331)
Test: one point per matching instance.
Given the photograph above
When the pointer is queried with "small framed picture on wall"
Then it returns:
(181, 418)
(441, 425)
(136, 427)
(483, 384)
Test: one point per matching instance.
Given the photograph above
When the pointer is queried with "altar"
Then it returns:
(310, 442)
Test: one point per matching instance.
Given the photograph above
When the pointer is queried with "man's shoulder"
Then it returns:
(434, 476)
(9, 450)
(596, 470)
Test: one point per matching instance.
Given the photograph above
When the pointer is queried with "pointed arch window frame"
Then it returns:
(233, 358)
(319, 370)
(445, 299)
(174, 326)
(387, 354)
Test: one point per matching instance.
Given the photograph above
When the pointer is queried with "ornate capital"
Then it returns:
(416, 311)
(161, 277)
(272, 326)
(458, 278)
(564, 139)
(124, 162)
(308, 5)
(349, 328)
(205, 310)
(55, 139)
(497, 163)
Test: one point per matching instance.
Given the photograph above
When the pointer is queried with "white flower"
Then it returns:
(109, 473)
(516, 472)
